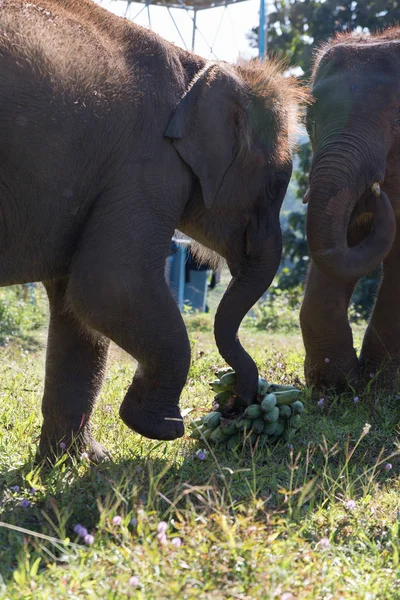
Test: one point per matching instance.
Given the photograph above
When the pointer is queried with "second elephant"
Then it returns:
(354, 207)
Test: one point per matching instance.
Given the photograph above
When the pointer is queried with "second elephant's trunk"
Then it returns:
(328, 220)
(242, 293)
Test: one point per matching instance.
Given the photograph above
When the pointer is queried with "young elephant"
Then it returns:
(354, 206)
(110, 139)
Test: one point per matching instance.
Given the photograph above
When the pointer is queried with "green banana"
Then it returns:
(272, 415)
(228, 427)
(227, 381)
(244, 424)
(276, 387)
(285, 411)
(298, 407)
(217, 436)
(234, 441)
(216, 386)
(257, 426)
(270, 428)
(222, 398)
(280, 427)
(295, 422)
(262, 387)
(268, 403)
(220, 372)
(253, 411)
(287, 397)
(212, 420)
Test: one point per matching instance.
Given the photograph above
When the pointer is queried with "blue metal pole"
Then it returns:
(261, 31)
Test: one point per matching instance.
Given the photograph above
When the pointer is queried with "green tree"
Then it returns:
(295, 27)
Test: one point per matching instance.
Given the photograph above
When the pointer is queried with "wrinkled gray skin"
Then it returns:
(354, 126)
(111, 138)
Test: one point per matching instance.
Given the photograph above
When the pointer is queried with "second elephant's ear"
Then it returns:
(204, 127)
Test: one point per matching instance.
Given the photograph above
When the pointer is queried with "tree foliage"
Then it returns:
(295, 27)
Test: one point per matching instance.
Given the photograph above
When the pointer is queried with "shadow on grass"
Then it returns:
(335, 458)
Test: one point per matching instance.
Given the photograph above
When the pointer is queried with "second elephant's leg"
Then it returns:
(330, 356)
(75, 365)
(381, 345)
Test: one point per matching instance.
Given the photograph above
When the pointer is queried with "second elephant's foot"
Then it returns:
(327, 373)
(384, 374)
(161, 421)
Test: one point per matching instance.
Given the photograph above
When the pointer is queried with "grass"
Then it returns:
(317, 521)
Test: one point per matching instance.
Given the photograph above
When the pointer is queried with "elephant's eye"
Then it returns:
(278, 185)
(310, 126)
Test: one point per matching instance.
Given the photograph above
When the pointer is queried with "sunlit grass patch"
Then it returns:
(316, 520)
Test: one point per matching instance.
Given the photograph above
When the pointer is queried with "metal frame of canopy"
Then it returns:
(195, 6)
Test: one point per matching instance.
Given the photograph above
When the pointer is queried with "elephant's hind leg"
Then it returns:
(117, 286)
(75, 366)
(380, 354)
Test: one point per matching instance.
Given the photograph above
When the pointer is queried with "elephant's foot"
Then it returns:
(384, 373)
(161, 421)
(328, 373)
(53, 446)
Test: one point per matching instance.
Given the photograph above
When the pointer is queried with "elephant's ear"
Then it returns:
(204, 127)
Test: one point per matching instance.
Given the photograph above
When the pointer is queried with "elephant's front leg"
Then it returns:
(75, 366)
(118, 287)
(331, 359)
(381, 346)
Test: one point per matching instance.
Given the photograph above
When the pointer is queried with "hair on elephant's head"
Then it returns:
(234, 128)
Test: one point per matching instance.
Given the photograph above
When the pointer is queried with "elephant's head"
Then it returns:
(354, 127)
(233, 129)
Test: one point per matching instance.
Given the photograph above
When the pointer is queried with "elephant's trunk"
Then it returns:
(246, 287)
(332, 200)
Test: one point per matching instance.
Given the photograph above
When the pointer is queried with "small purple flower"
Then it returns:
(371, 375)
(162, 527)
(324, 542)
(388, 466)
(108, 408)
(63, 445)
(88, 539)
(177, 542)
(84, 456)
(133, 522)
(356, 399)
(134, 581)
(33, 491)
(291, 447)
(25, 503)
(287, 596)
(201, 454)
(321, 402)
(81, 531)
(327, 360)
(117, 520)
(162, 538)
(15, 488)
(351, 504)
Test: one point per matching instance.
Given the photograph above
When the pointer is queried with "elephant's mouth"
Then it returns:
(363, 205)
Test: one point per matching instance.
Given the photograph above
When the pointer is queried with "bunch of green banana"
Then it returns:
(274, 415)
